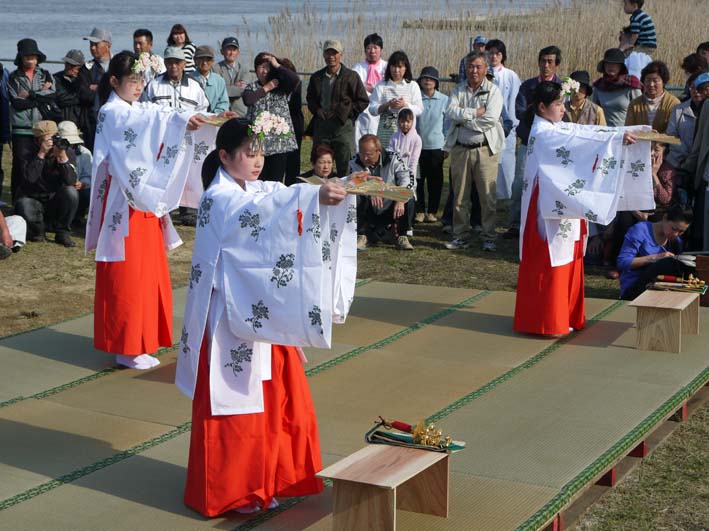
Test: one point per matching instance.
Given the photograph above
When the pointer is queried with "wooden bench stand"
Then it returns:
(371, 484)
(663, 316)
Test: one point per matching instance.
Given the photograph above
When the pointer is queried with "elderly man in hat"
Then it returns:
(213, 84)
(100, 47)
(31, 91)
(178, 90)
(74, 97)
(175, 88)
(233, 75)
(47, 193)
(336, 97)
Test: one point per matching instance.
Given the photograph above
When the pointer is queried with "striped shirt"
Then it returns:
(642, 25)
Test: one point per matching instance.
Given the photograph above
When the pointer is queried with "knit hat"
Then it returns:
(44, 127)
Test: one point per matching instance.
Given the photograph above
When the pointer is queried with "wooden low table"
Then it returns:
(663, 316)
(371, 484)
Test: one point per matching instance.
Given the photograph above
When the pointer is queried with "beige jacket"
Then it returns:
(462, 112)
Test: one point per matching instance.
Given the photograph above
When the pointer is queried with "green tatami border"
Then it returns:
(95, 376)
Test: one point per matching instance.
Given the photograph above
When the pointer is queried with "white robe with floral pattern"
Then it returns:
(146, 153)
(583, 172)
(255, 280)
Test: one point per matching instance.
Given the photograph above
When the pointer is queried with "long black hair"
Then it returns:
(546, 92)
(120, 66)
(231, 136)
(680, 213)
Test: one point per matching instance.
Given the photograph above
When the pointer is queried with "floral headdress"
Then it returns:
(146, 63)
(569, 87)
(268, 124)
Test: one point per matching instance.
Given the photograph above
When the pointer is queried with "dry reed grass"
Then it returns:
(583, 31)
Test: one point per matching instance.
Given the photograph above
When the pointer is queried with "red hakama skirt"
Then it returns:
(550, 299)
(133, 302)
(236, 460)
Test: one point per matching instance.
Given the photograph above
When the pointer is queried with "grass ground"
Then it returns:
(46, 283)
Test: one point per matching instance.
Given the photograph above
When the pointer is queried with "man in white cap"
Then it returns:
(68, 131)
(336, 97)
(174, 88)
(177, 90)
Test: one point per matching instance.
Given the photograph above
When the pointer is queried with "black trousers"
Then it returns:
(696, 237)
(40, 210)
(23, 147)
(431, 177)
(274, 167)
(622, 222)
(666, 266)
(293, 167)
(382, 226)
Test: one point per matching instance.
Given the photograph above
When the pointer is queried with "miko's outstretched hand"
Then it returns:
(332, 193)
(195, 122)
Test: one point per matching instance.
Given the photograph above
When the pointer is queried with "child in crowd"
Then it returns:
(406, 141)
(432, 128)
(642, 28)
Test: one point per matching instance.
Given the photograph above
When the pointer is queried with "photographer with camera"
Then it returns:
(47, 193)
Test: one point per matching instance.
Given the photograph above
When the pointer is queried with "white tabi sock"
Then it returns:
(141, 362)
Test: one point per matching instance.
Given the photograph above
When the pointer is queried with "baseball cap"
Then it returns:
(230, 41)
(332, 44)
(701, 79)
(98, 35)
(174, 52)
(480, 40)
(44, 127)
(74, 57)
(68, 131)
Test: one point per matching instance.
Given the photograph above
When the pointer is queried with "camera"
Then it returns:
(61, 143)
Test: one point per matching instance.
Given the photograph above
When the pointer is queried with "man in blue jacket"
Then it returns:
(4, 117)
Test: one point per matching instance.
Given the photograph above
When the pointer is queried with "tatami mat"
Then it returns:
(527, 436)
(476, 504)
(41, 359)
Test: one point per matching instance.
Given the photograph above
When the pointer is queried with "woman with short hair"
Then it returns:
(655, 106)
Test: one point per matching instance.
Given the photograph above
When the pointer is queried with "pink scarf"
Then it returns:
(374, 76)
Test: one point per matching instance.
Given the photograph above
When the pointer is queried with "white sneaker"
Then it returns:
(420, 217)
(141, 363)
